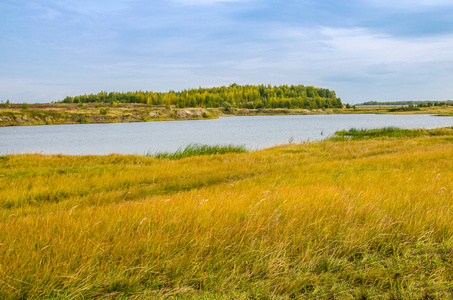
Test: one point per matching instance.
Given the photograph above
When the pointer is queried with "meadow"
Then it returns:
(357, 216)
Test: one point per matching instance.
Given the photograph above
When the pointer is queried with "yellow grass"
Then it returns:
(327, 220)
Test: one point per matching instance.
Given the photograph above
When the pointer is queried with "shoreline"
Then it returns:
(102, 113)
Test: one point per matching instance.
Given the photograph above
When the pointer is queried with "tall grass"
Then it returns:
(365, 219)
(199, 149)
(387, 132)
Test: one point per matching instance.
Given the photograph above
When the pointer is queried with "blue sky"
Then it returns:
(365, 50)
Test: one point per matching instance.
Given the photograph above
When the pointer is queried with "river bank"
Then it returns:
(69, 113)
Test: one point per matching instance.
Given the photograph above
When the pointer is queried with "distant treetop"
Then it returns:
(415, 103)
(237, 96)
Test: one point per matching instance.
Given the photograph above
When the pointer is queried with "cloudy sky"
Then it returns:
(365, 50)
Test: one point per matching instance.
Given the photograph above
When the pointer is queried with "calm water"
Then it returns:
(140, 138)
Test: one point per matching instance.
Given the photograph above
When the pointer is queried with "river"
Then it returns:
(255, 132)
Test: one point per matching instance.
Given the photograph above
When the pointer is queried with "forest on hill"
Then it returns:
(233, 96)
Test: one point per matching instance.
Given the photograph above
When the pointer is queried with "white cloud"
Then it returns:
(359, 64)
(205, 2)
(367, 64)
(409, 5)
(90, 8)
(362, 44)
(44, 12)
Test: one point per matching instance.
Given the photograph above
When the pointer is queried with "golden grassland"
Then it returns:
(366, 219)
(70, 113)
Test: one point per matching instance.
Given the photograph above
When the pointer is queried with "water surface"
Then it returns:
(139, 138)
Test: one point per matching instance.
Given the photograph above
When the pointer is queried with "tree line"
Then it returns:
(425, 103)
(237, 96)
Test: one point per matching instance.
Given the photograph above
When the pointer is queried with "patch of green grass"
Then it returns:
(387, 132)
(404, 108)
(444, 115)
(199, 149)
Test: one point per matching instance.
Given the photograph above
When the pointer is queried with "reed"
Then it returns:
(199, 149)
(387, 132)
(354, 219)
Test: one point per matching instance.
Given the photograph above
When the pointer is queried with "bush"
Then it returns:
(404, 108)
(227, 105)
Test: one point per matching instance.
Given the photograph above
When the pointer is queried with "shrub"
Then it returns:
(227, 105)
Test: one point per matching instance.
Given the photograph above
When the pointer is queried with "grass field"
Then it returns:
(348, 218)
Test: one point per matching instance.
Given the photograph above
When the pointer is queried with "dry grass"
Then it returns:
(367, 219)
(433, 110)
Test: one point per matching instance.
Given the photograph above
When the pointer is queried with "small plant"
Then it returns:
(82, 120)
(104, 111)
(5, 104)
(25, 106)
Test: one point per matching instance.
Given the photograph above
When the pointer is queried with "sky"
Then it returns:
(365, 50)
